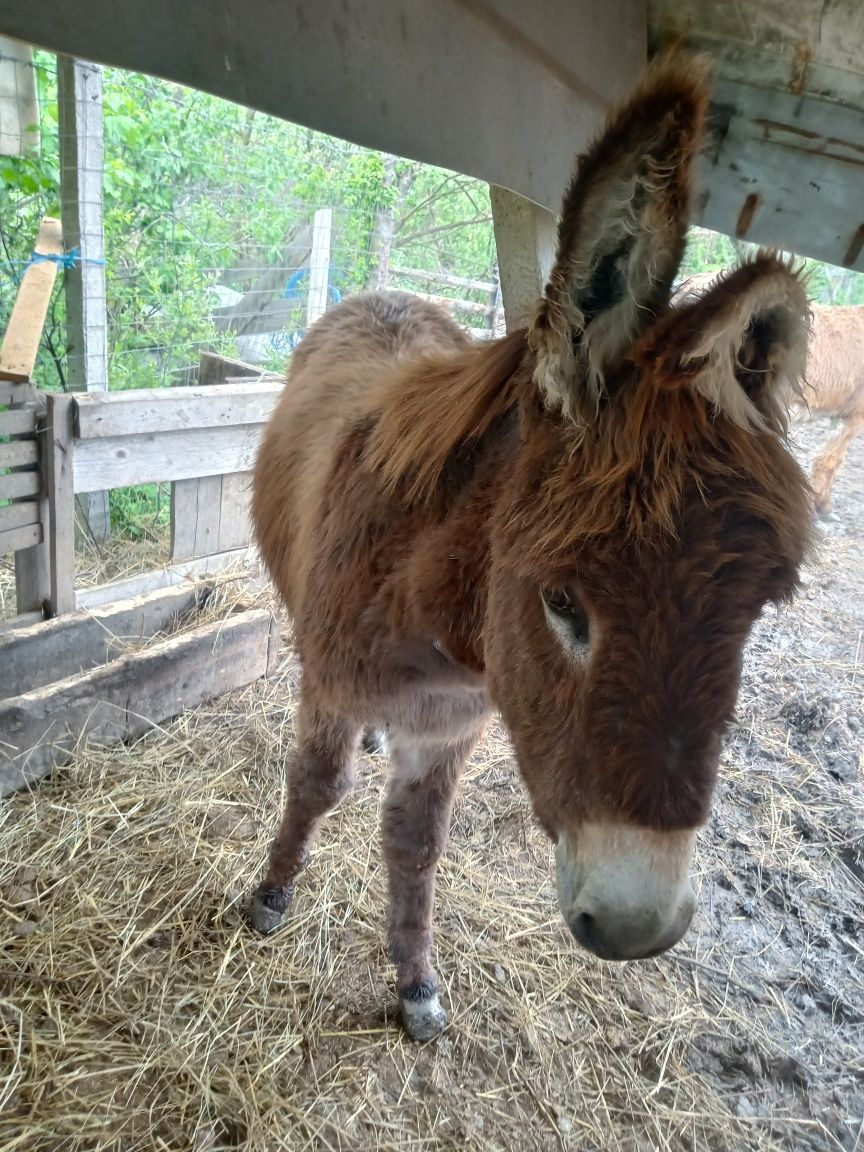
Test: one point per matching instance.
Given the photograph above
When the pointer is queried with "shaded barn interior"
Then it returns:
(151, 1018)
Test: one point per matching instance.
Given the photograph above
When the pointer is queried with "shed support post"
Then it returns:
(81, 171)
(319, 265)
(525, 236)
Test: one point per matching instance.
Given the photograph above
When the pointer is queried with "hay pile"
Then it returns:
(138, 1012)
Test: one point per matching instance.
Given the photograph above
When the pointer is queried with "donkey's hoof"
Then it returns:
(423, 1019)
(268, 909)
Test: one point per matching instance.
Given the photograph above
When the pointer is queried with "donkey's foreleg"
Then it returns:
(319, 774)
(416, 821)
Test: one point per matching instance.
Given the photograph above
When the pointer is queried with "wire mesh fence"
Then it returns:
(207, 211)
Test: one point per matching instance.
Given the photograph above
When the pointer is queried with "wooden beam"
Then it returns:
(423, 277)
(235, 523)
(474, 307)
(17, 484)
(119, 461)
(18, 538)
(17, 393)
(31, 657)
(503, 91)
(525, 237)
(19, 515)
(57, 462)
(196, 511)
(130, 695)
(24, 333)
(18, 422)
(216, 369)
(143, 410)
(18, 453)
(161, 578)
(11, 623)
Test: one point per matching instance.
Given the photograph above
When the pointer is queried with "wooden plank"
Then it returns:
(12, 393)
(19, 515)
(143, 410)
(474, 307)
(18, 453)
(31, 657)
(23, 335)
(57, 462)
(184, 517)
(17, 538)
(120, 461)
(127, 697)
(161, 578)
(235, 522)
(205, 537)
(423, 277)
(19, 621)
(18, 422)
(13, 485)
(216, 369)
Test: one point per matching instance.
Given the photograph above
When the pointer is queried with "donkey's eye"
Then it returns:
(563, 606)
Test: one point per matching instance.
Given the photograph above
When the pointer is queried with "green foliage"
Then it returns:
(142, 512)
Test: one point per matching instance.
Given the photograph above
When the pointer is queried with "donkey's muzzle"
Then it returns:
(624, 891)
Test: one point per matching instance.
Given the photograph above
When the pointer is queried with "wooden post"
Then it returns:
(59, 481)
(81, 168)
(319, 265)
(525, 236)
(19, 108)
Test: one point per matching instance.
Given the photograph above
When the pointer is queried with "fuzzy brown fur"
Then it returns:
(416, 495)
(834, 375)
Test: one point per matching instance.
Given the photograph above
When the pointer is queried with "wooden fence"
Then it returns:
(70, 676)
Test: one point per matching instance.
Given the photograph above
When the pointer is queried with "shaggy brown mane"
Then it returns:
(648, 450)
(429, 408)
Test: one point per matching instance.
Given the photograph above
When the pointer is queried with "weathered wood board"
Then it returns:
(125, 698)
(23, 335)
(169, 577)
(144, 410)
(78, 641)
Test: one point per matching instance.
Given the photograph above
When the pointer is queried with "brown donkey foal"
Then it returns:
(576, 525)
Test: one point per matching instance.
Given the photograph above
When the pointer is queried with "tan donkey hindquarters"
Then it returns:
(576, 525)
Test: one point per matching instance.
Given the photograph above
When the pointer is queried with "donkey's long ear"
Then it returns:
(742, 345)
(621, 234)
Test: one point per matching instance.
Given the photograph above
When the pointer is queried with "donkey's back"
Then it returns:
(333, 376)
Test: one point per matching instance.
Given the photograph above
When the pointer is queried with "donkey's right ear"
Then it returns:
(621, 235)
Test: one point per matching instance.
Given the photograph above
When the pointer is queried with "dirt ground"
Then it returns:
(138, 1012)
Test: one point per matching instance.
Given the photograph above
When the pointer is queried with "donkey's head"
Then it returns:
(652, 511)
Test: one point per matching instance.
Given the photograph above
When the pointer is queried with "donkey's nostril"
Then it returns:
(584, 929)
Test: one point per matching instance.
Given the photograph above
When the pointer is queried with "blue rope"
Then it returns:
(67, 260)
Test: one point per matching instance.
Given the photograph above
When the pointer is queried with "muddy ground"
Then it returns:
(139, 1013)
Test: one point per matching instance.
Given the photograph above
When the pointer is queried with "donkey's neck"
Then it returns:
(447, 576)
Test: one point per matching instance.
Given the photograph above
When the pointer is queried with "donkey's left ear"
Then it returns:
(621, 235)
(742, 345)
